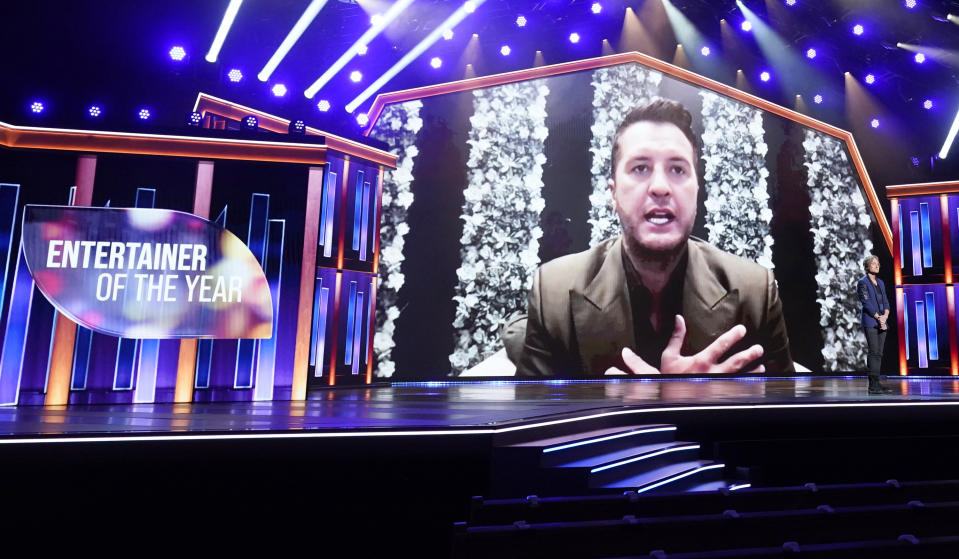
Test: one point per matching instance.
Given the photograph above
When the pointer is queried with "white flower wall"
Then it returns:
(616, 91)
(737, 200)
(840, 228)
(501, 215)
(397, 126)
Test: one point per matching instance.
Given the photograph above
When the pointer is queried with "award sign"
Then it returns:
(146, 273)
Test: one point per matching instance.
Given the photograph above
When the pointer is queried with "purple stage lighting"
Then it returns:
(469, 6)
(235, 75)
(194, 119)
(574, 38)
(505, 50)
(874, 123)
(362, 119)
(765, 76)
(356, 76)
(323, 105)
(596, 8)
(870, 79)
(817, 99)
(144, 114)
(520, 21)
(746, 25)
(376, 19)
(704, 51)
(927, 104)
(36, 107)
(279, 90)
(919, 58)
(790, 2)
(448, 34)
(436, 62)
(811, 53)
(296, 127)
(910, 4)
(362, 49)
(94, 111)
(249, 122)
(858, 29)
(177, 53)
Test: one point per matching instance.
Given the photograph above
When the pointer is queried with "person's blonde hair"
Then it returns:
(867, 260)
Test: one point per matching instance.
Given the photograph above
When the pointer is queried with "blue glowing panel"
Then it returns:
(320, 338)
(9, 196)
(246, 350)
(204, 350)
(273, 267)
(365, 226)
(921, 335)
(357, 209)
(931, 328)
(358, 333)
(902, 252)
(926, 235)
(81, 358)
(329, 205)
(145, 391)
(905, 321)
(15, 335)
(915, 245)
(350, 319)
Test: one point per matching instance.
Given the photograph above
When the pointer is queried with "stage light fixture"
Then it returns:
(746, 25)
(505, 50)
(574, 38)
(520, 21)
(919, 58)
(596, 8)
(306, 18)
(278, 90)
(874, 123)
(177, 53)
(235, 75)
(362, 119)
(704, 51)
(765, 76)
(224, 29)
(250, 123)
(362, 50)
(94, 111)
(870, 79)
(811, 53)
(790, 2)
(817, 99)
(910, 4)
(436, 62)
(364, 41)
(448, 34)
(297, 128)
(950, 137)
(858, 29)
(194, 119)
(144, 114)
(376, 19)
(36, 107)
(927, 104)
(469, 6)
(323, 105)
(356, 76)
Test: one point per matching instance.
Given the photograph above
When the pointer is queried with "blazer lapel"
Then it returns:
(602, 316)
(708, 308)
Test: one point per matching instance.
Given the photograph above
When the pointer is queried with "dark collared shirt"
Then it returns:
(650, 342)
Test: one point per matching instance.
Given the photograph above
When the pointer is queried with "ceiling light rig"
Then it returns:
(224, 30)
(309, 14)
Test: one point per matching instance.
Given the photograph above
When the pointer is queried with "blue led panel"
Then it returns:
(921, 335)
(926, 235)
(931, 325)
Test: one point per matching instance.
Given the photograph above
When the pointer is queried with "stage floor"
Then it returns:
(457, 407)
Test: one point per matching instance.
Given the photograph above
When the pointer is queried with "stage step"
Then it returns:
(672, 477)
(578, 446)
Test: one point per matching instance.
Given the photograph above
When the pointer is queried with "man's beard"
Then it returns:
(652, 257)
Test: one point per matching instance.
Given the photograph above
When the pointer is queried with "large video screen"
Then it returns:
(492, 183)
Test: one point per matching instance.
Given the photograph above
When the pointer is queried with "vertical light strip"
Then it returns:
(925, 228)
(905, 322)
(204, 352)
(273, 267)
(921, 335)
(459, 15)
(363, 41)
(931, 325)
(350, 319)
(950, 138)
(15, 334)
(256, 240)
(145, 391)
(224, 29)
(365, 225)
(321, 331)
(357, 332)
(902, 253)
(291, 38)
(329, 211)
(316, 319)
(357, 208)
(916, 245)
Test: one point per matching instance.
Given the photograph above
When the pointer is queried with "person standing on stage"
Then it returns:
(875, 313)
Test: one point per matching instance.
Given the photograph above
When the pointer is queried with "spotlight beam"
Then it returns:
(291, 38)
(370, 34)
(224, 29)
(950, 138)
(459, 15)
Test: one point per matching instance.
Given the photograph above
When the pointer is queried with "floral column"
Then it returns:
(501, 215)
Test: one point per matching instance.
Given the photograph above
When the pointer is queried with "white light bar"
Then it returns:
(291, 38)
(224, 29)
(950, 138)
(459, 15)
(363, 41)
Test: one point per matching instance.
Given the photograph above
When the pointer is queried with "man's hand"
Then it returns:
(704, 362)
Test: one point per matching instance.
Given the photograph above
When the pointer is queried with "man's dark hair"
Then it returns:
(657, 110)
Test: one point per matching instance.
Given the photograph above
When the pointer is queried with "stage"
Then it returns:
(470, 408)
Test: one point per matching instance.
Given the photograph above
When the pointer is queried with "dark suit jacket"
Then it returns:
(873, 299)
(580, 316)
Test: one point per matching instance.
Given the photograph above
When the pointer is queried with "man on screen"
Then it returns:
(654, 300)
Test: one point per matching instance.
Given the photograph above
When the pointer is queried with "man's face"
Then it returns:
(654, 186)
